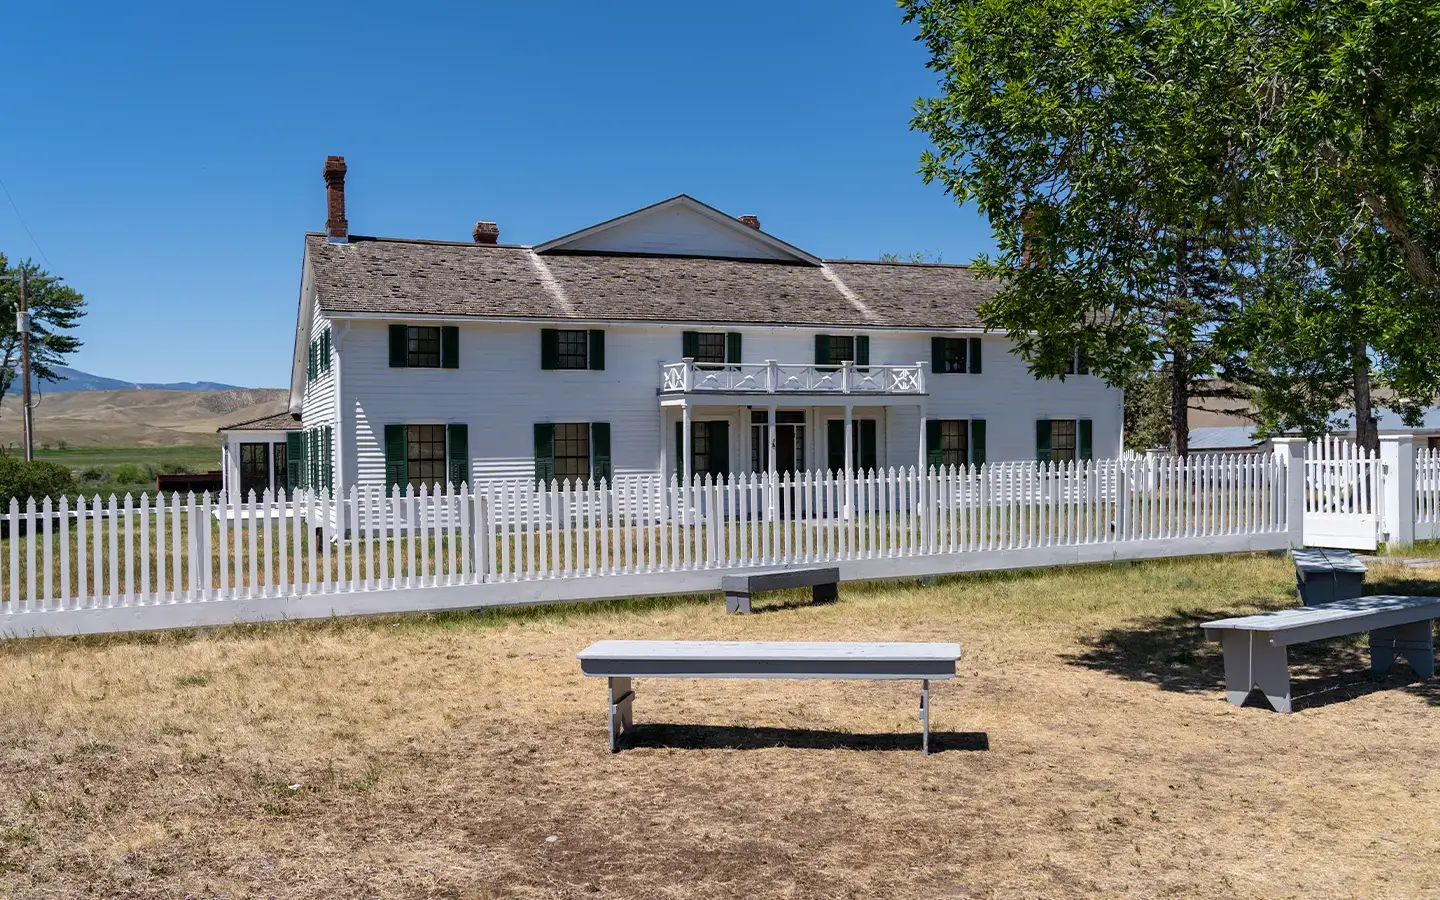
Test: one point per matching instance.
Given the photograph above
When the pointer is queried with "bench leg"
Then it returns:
(621, 715)
(1251, 661)
(825, 593)
(737, 602)
(1415, 642)
(925, 717)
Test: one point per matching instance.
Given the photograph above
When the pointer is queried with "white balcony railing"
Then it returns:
(771, 377)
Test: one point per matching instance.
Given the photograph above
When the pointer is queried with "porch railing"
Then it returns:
(772, 377)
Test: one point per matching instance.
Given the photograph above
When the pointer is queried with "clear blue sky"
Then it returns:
(169, 159)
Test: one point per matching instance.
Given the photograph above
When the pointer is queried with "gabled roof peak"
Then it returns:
(679, 226)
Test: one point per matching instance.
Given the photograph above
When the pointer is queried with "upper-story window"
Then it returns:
(951, 356)
(1078, 364)
(834, 349)
(711, 348)
(317, 359)
(424, 347)
(572, 348)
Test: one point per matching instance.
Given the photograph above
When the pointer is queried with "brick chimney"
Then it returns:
(486, 233)
(335, 224)
(751, 221)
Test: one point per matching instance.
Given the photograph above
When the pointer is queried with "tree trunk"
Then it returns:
(1179, 402)
(1367, 432)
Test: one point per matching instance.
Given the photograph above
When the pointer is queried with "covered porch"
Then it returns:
(720, 436)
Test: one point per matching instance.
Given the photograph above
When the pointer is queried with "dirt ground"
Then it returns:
(1086, 749)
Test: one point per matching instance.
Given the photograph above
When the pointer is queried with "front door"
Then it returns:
(789, 441)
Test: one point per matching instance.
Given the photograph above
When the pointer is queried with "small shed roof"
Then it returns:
(284, 421)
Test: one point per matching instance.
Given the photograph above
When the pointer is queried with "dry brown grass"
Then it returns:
(1087, 750)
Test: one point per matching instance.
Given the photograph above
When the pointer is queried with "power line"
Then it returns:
(24, 226)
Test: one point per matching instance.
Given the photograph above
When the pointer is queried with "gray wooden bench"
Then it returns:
(1325, 575)
(1254, 646)
(824, 585)
(622, 661)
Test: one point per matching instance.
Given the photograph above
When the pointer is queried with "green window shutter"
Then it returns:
(937, 355)
(719, 448)
(822, 349)
(868, 457)
(1087, 434)
(862, 350)
(1042, 440)
(835, 445)
(329, 457)
(601, 468)
(934, 445)
(690, 344)
(974, 356)
(397, 464)
(549, 348)
(449, 347)
(544, 452)
(399, 346)
(294, 459)
(977, 442)
(732, 347)
(457, 454)
(597, 349)
(325, 349)
(310, 361)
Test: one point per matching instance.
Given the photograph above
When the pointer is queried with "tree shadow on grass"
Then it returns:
(734, 737)
(1172, 653)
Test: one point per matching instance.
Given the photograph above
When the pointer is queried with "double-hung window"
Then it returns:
(1063, 440)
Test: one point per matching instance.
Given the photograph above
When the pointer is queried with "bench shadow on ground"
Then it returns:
(736, 737)
(1172, 653)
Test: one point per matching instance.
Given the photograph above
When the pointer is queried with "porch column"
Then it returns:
(772, 467)
(685, 455)
(922, 439)
(849, 461)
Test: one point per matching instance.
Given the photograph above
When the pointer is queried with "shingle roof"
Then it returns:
(279, 422)
(388, 276)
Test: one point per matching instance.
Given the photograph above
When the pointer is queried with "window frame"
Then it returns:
(951, 367)
(569, 335)
(949, 428)
(584, 440)
(413, 464)
(1074, 425)
(413, 354)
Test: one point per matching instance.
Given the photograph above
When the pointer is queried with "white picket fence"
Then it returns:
(150, 563)
(1427, 494)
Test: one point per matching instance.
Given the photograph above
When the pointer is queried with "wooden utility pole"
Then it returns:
(22, 325)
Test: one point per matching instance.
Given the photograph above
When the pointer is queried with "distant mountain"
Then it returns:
(76, 380)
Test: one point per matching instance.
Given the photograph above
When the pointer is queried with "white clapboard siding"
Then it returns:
(106, 564)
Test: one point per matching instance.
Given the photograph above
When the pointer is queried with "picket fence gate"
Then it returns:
(1344, 496)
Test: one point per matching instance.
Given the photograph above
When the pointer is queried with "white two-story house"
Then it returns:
(674, 338)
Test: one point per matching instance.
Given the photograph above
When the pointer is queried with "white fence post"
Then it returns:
(1291, 451)
(1397, 459)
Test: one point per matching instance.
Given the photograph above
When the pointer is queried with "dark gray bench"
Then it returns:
(620, 661)
(1254, 646)
(824, 585)
(1325, 575)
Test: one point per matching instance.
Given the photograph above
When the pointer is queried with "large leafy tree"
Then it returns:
(1104, 141)
(1348, 128)
(1350, 104)
(55, 310)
